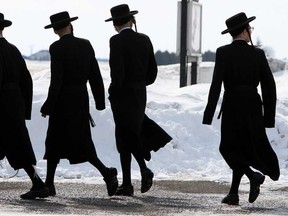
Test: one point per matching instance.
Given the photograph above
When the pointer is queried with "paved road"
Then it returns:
(164, 198)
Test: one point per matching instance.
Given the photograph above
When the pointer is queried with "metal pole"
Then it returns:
(194, 72)
(183, 44)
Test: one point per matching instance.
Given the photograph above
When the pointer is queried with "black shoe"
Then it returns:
(125, 191)
(255, 183)
(32, 194)
(111, 181)
(231, 199)
(147, 180)
(52, 190)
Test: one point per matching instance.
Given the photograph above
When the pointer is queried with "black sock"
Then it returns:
(36, 180)
(236, 179)
(140, 160)
(51, 168)
(125, 159)
(99, 165)
(249, 173)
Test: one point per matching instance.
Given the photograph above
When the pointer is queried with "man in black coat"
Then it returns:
(15, 106)
(133, 67)
(73, 64)
(244, 143)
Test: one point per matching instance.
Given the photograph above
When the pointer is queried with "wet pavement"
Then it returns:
(164, 198)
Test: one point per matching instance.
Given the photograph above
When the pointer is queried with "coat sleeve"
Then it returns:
(268, 89)
(116, 63)
(152, 66)
(1, 76)
(56, 83)
(26, 85)
(96, 83)
(25, 82)
(215, 90)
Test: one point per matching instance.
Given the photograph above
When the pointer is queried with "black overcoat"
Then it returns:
(241, 67)
(16, 89)
(73, 63)
(133, 67)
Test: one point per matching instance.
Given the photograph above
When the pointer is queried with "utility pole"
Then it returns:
(183, 44)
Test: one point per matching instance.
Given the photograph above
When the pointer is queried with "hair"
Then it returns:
(122, 21)
(237, 31)
(61, 26)
(1, 28)
(249, 34)
(63, 30)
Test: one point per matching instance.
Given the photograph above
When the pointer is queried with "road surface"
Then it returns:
(164, 198)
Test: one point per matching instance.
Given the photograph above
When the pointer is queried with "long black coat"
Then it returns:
(15, 106)
(244, 142)
(73, 63)
(133, 67)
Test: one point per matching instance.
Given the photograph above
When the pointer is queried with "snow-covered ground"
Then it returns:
(192, 154)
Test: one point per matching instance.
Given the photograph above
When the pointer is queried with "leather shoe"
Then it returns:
(111, 181)
(255, 182)
(231, 199)
(52, 190)
(125, 191)
(39, 193)
(147, 180)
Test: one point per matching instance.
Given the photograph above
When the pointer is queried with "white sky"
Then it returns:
(156, 18)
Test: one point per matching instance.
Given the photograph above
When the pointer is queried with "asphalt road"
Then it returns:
(164, 198)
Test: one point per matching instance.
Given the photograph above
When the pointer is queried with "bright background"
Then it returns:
(155, 18)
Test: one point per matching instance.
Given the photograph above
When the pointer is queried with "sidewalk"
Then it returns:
(169, 198)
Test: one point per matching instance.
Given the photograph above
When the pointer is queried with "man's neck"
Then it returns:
(239, 38)
(63, 34)
(64, 31)
(124, 29)
(125, 26)
(1, 34)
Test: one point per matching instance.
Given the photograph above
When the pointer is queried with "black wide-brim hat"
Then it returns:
(3, 22)
(60, 20)
(237, 21)
(120, 12)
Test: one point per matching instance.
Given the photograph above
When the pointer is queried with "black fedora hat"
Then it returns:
(60, 20)
(236, 22)
(120, 12)
(3, 22)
